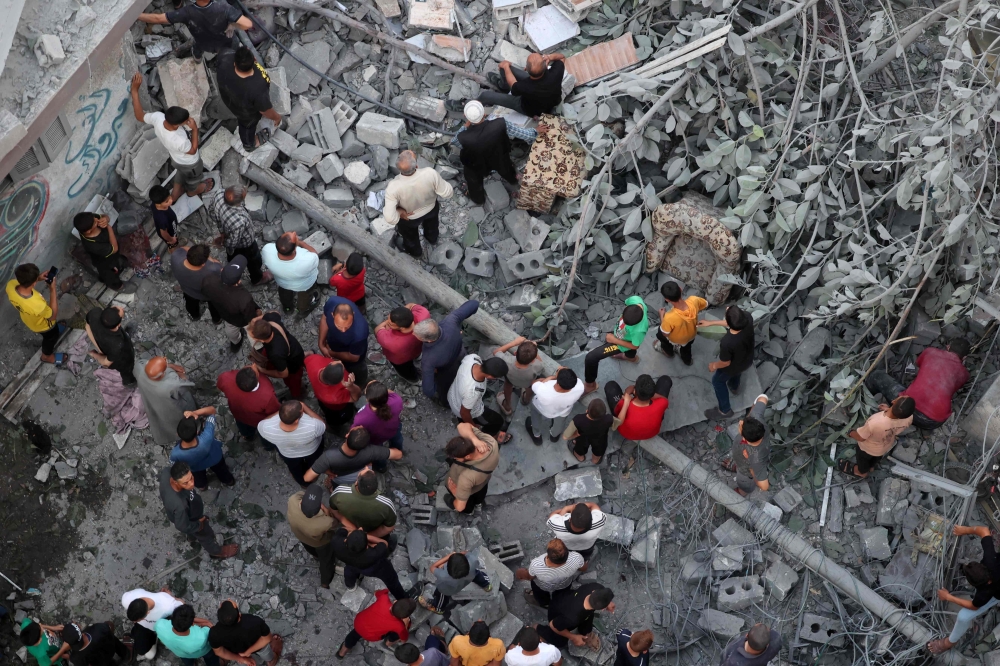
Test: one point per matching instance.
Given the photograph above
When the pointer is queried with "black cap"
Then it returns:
(315, 496)
(233, 271)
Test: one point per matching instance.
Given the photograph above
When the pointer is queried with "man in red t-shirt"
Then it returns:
(349, 280)
(251, 399)
(334, 388)
(383, 620)
(641, 406)
(399, 345)
(940, 373)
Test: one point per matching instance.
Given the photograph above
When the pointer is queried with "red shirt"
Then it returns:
(940, 375)
(642, 422)
(351, 288)
(402, 347)
(377, 620)
(334, 397)
(248, 408)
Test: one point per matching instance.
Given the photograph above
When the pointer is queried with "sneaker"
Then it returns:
(422, 600)
(496, 81)
(313, 302)
(537, 439)
(488, 588)
(716, 414)
(455, 105)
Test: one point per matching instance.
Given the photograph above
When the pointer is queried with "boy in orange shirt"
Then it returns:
(679, 325)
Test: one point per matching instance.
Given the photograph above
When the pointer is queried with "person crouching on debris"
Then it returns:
(623, 344)
(452, 573)
(412, 202)
(382, 621)
(348, 278)
(208, 21)
(589, 431)
(532, 92)
(44, 643)
(984, 576)
(485, 149)
(752, 453)
(878, 435)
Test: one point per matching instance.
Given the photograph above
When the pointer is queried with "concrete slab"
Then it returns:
(185, 84)
(216, 146)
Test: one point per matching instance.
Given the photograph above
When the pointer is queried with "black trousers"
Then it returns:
(475, 499)
(50, 338)
(866, 461)
(541, 596)
(598, 354)
(292, 299)
(613, 391)
(255, 262)
(109, 269)
(193, 306)
(490, 421)
(383, 571)
(668, 347)
(474, 179)
(221, 471)
(407, 371)
(598, 446)
(327, 562)
(409, 230)
(444, 377)
(248, 133)
(143, 639)
(336, 419)
(360, 370)
(881, 382)
(353, 638)
(299, 466)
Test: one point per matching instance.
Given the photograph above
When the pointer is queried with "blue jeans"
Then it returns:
(396, 442)
(965, 618)
(723, 382)
(211, 659)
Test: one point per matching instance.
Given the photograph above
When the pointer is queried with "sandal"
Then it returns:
(571, 447)
(847, 467)
(507, 411)
(506, 439)
(61, 359)
(208, 188)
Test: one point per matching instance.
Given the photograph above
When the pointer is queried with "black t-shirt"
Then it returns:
(101, 649)
(737, 348)
(283, 355)
(566, 611)
(735, 653)
(594, 432)
(234, 303)
(241, 636)
(363, 560)
(541, 95)
(245, 97)
(99, 247)
(207, 24)
(623, 657)
(116, 345)
(984, 594)
(341, 464)
(165, 220)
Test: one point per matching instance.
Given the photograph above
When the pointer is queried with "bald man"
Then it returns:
(411, 201)
(236, 230)
(532, 92)
(166, 395)
(485, 148)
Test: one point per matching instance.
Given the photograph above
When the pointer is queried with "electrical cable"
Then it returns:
(322, 75)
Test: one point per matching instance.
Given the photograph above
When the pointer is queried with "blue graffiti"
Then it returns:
(92, 151)
(20, 214)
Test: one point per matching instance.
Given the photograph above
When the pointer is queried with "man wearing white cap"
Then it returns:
(485, 148)
(411, 200)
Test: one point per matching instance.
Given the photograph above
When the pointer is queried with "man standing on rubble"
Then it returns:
(533, 92)
(38, 314)
(411, 201)
(209, 22)
(245, 89)
(295, 267)
(166, 395)
(485, 149)
(236, 230)
(186, 510)
(234, 304)
(443, 350)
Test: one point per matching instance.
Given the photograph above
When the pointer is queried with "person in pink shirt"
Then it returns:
(399, 345)
(380, 417)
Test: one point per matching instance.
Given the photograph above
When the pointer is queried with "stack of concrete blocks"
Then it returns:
(141, 159)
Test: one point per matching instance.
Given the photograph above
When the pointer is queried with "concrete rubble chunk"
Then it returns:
(646, 544)
(506, 628)
(389, 8)
(352, 147)
(524, 297)
(65, 470)
(450, 48)
(421, 106)
(547, 28)
(824, 630)
(307, 154)
(909, 579)
(338, 198)
(301, 110)
(578, 483)
(787, 499)
(42, 475)
(357, 174)
(497, 198)
(479, 262)
(515, 54)
(696, 567)
(215, 147)
(835, 517)
(281, 96)
(530, 233)
(345, 115)
(298, 174)
(317, 54)
(285, 142)
(499, 572)
(508, 10)
(489, 610)
(319, 241)
(446, 536)
(739, 593)
(49, 51)
(727, 558)
(732, 533)
(323, 271)
(528, 265)
(721, 625)
(330, 168)
(890, 493)
(875, 543)
(185, 84)
(379, 130)
(447, 255)
(295, 221)
(779, 579)
(575, 10)
(325, 133)
(264, 156)
(357, 599)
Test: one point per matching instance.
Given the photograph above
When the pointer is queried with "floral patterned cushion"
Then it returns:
(555, 167)
(691, 244)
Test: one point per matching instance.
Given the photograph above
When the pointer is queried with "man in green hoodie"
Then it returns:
(622, 344)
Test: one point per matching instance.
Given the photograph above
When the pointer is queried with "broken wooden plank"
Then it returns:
(37, 376)
(431, 14)
(602, 59)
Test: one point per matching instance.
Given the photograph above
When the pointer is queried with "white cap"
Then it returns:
(474, 111)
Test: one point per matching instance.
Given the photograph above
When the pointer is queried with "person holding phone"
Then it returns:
(37, 313)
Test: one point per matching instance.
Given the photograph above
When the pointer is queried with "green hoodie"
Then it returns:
(636, 333)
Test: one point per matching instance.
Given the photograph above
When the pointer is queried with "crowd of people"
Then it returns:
(335, 448)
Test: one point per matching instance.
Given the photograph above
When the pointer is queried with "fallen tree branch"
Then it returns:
(915, 31)
(781, 19)
(373, 32)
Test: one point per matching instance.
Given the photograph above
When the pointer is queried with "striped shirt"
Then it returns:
(299, 443)
(578, 540)
(551, 579)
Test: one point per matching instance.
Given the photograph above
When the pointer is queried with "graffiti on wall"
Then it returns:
(91, 148)
(21, 213)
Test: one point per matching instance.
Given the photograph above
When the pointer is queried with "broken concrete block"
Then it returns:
(617, 530)
(463, 88)
(447, 255)
(890, 493)
(779, 579)
(479, 262)
(506, 628)
(49, 51)
(324, 271)
(576, 10)
(264, 156)
(450, 48)
(254, 203)
(548, 27)
(337, 198)
(497, 198)
(529, 232)
(379, 130)
(787, 498)
(319, 241)
(875, 543)
(524, 298)
(721, 625)
(65, 471)
(646, 546)
(528, 265)
(421, 106)
(297, 173)
(489, 610)
(424, 515)
(301, 111)
(499, 572)
(416, 545)
(345, 115)
(432, 14)
(352, 146)
(389, 8)
(43, 472)
(381, 228)
(507, 10)
(696, 567)
(185, 84)
(358, 175)
(446, 536)
(727, 558)
(330, 168)
(515, 54)
(285, 142)
(281, 96)
(317, 54)
(356, 599)
(271, 233)
(295, 221)
(835, 517)
(215, 147)
(907, 581)
(578, 483)
(307, 154)
(325, 133)
(739, 593)
(819, 629)
(731, 533)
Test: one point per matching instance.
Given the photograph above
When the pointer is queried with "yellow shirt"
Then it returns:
(35, 311)
(472, 655)
(680, 327)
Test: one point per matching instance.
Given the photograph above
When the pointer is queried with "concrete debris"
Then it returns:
(696, 568)
(646, 546)
(356, 599)
(319, 241)
(875, 543)
(317, 54)
(421, 106)
(344, 114)
(779, 579)
(548, 27)
(324, 130)
(506, 10)
(379, 130)
(295, 221)
(358, 175)
(43, 472)
(506, 628)
(825, 630)
(787, 499)
(308, 154)
(529, 232)
(479, 262)
(497, 198)
(732, 533)
(515, 54)
(281, 96)
(301, 110)
(185, 84)
(66, 471)
(338, 198)
(447, 255)
(891, 492)
(330, 168)
(907, 578)
(264, 155)
(528, 265)
(489, 610)
(578, 484)
(215, 147)
(524, 297)
(721, 625)
(286, 143)
(508, 552)
(740, 593)
(49, 51)
(835, 515)
(450, 48)
(500, 574)
(728, 558)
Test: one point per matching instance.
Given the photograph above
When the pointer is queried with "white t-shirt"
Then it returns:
(296, 274)
(465, 391)
(299, 443)
(547, 655)
(550, 403)
(163, 604)
(560, 527)
(176, 141)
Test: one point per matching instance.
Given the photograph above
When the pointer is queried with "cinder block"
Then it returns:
(270, 233)
(528, 265)
(727, 558)
(779, 579)
(506, 628)
(575, 11)
(529, 232)
(787, 498)
(421, 106)
(447, 255)
(479, 262)
(338, 198)
(469, 539)
(696, 568)
(281, 96)
(489, 610)
(324, 130)
(578, 483)
(320, 241)
(446, 536)
(507, 10)
(49, 51)
(722, 625)
(731, 533)
(297, 173)
(216, 146)
(285, 142)
(646, 545)
(497, 198)
(295, 221)
(617, 530)
(890, 493)
(508, 552)
(330, 168)
(423, 515)
(324, 271)
(875, 543)
(524, 297)
(264, 156)
(301, 111)
(739, 593)
(819, 629)
(515, 54)
(345, 115)
(358, 174)
(307, 154)
(357, 599)
(378, 130)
